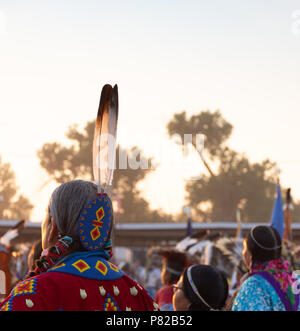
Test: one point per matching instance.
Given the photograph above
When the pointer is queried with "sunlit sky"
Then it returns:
(241, 57)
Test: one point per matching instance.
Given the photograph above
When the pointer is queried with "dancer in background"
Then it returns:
(200, 288)
(173, 265)
(5, 277)
(270, 284)
(5, 258)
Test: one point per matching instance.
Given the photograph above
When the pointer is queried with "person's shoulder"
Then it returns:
(164, 295)
(251, 295)
(44, 283)
(137, 291)
(28, 295)
(255, 286)
(50, 284)
(261, 283)
(131, 283)
(255, 280)
(165, 289)
(47, 278)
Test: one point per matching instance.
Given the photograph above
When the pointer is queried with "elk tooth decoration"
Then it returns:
(29, 303)
(116, 290)
(156, 306)
(133, 291)
(102, 290)
(83, 294)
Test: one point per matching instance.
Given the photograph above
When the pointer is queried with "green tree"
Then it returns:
(12, 205)
(65, 163)
(237, 183)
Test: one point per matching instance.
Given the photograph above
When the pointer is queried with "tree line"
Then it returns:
(235, 183)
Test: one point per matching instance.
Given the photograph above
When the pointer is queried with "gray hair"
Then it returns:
(66, 204)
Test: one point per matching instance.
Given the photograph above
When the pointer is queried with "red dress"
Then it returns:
(81, 281)
(164, 298)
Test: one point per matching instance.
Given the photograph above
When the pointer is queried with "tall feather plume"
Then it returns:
(104, 145)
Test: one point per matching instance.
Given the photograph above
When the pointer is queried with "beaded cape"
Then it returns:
(78, 282)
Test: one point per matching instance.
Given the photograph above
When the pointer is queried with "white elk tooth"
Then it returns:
(155, 305)
(29, 303)
(133, 291)
(83, 294)
(116, 290)
(102, 290)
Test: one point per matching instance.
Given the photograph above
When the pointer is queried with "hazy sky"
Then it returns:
(241, 57)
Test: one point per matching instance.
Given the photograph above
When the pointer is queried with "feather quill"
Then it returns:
(104, 145)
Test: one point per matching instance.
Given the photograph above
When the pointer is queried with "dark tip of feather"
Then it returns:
(115, 100)
(105, 98)
(288, 195)
(106, 92)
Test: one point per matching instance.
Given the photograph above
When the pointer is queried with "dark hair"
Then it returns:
(34, 254)
(264, 244)
(210, 283)
(178, 266)
(174, 263)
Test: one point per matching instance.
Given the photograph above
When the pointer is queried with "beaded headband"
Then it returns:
(173, 271)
